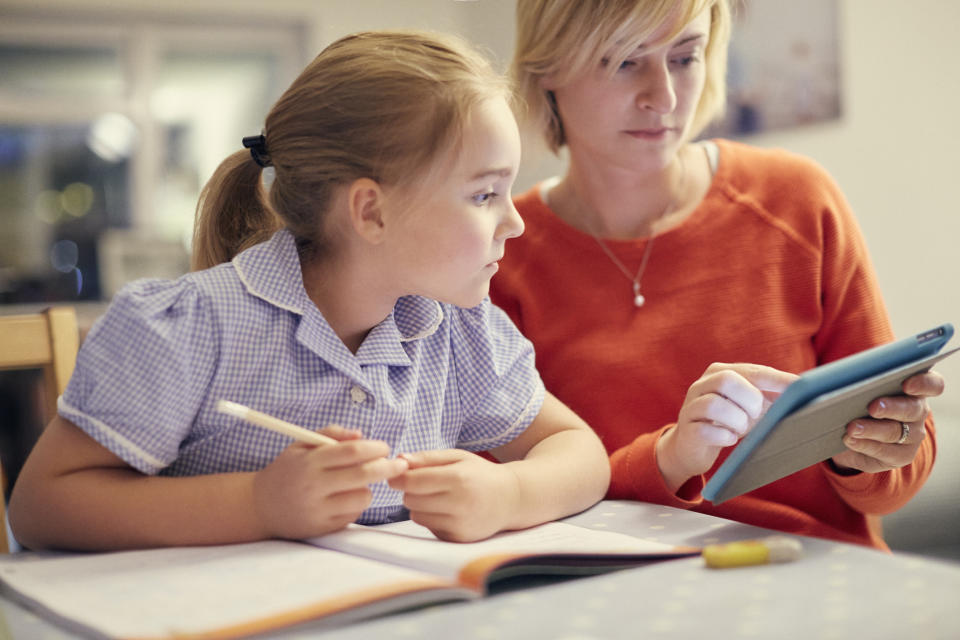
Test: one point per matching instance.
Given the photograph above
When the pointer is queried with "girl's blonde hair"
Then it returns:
(379, 105)
(567, 37)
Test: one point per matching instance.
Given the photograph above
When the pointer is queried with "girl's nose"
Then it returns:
(512, 224)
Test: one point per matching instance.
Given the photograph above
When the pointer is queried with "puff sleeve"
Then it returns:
(143, 371)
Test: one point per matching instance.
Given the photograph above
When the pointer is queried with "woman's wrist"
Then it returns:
(670, 469)
(842, 471)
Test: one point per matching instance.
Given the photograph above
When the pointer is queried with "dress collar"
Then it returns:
(271, 271)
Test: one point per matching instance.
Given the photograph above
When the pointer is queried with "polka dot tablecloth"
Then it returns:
(834, 591)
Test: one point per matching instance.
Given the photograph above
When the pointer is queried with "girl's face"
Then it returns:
(450, 242)
(638, 118)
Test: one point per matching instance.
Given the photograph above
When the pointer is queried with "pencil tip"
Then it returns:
(234, 409)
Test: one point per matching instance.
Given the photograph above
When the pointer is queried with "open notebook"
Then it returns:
(235, 590)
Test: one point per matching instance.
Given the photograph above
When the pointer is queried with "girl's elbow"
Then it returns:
(598, 477)
(603, 476)
(32, 512)
(24, 524)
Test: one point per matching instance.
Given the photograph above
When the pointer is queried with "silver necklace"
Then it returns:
(638, 298)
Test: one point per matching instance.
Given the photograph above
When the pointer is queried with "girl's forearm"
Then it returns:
(116, 508)
(563, 474)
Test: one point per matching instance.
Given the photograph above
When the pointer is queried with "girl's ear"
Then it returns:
(366, 202)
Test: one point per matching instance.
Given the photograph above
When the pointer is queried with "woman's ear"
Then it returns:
(548, 82)
(366, 200)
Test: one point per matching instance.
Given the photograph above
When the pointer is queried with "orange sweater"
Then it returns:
(771, 268)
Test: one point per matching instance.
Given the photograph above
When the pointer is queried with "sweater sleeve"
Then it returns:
(855, 318)
(635, 475)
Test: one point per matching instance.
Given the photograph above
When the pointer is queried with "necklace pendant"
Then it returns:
(638, 298)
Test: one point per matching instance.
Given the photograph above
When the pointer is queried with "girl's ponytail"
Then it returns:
(231, 213)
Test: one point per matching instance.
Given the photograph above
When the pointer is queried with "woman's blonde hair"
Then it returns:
(566, 37)
(379, 105)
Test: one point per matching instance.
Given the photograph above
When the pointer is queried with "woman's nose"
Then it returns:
(656, 90)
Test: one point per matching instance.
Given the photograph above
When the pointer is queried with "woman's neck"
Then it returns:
(622, 204)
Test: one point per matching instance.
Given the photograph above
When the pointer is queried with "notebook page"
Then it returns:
(412, 545)
(159, 592)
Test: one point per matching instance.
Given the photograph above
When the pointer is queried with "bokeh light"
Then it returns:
(76, 199)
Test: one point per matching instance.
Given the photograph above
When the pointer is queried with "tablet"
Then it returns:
(806, 424)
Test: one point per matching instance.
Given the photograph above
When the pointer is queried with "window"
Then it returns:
(107, 134)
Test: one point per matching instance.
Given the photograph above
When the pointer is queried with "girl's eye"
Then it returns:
(486, 197)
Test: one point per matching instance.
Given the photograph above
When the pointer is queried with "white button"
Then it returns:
(357, 394)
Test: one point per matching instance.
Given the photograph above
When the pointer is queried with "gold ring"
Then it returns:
(904, 432)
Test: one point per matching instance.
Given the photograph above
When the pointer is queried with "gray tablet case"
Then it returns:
(809, 433)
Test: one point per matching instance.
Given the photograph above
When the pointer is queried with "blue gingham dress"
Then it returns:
(152, 369)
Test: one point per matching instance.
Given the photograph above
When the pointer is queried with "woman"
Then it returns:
(654, 260)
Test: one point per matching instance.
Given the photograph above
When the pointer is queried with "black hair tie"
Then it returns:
(258, 149)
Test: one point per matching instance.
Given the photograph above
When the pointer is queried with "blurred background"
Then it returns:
(113, 114)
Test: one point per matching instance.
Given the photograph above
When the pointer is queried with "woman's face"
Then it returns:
(638, 118)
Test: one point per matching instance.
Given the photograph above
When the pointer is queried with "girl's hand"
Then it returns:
(874, 444)
(719, 409)
(456, 494)
(308, 490)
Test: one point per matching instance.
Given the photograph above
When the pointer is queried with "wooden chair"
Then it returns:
(48, 340)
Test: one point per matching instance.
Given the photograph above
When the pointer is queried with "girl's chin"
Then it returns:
(470, 301)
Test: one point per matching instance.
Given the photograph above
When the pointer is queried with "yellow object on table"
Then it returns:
(752, 552)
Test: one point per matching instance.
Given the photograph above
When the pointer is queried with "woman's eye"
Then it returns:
(626, 64)
(685, 60)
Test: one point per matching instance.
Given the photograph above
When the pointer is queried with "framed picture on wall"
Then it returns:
(783, 67)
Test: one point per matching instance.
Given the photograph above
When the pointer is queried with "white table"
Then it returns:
(834, 591)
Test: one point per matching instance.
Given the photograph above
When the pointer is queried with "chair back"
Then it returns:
(48, 340)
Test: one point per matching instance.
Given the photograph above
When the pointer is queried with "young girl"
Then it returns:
(392, 157)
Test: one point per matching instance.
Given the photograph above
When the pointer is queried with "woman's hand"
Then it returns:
(456, 494)
(308, 490)
(719, 409)
(892, 435)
